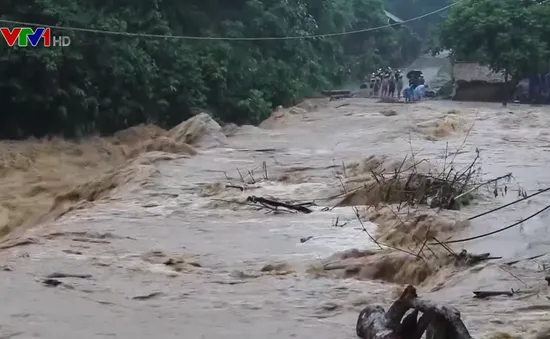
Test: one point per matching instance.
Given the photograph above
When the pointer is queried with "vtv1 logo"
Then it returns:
(25, 36)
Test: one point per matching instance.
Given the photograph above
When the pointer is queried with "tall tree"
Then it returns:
(509, 36)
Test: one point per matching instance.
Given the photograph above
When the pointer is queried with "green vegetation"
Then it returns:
(510, 36)
(103, 83)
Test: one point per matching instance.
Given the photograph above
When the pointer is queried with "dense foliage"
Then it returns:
(510, 36)
(102, 83)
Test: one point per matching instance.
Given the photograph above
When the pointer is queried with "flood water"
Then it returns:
(179, 212)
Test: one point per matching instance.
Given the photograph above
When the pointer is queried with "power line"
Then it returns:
(185, 37)
(497, 231)
(510, 204)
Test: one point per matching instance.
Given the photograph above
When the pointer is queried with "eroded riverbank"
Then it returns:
(213, 285)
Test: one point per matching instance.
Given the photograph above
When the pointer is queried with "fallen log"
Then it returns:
(273, 204)
(438, 321)
(467, 259)
(487, 294)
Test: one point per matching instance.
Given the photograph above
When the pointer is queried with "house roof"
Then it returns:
(468, 71)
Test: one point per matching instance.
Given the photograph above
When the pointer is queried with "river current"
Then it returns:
(174, 255)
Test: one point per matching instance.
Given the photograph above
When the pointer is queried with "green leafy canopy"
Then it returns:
(510, 36)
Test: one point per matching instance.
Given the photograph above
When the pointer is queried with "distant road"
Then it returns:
(431, 66)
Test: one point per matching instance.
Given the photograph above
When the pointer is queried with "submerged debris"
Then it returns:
(148, 296)
(487, 294)
(304, 239)
(274, 204)
(51, 282)
(175, 263)
(59, 275)
(468, 259)
(409, 184)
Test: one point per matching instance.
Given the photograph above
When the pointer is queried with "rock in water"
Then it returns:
(200, 131)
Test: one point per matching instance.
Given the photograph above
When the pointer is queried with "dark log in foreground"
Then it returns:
(439, 321)
(487, 294)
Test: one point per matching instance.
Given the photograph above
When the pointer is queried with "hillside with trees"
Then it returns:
(104, 82)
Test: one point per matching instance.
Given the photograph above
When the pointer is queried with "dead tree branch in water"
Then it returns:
(251, 174)
(409, 186)
(468, 259)
(506, 176)
(446, 188)
(487, 294)
(356, 212)
(510, 263)
(274, 204)
(439, 321)
(510, 293)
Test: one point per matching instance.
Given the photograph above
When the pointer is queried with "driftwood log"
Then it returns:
(467, 259)
(438, 321)
(274, 204)
(488, 294)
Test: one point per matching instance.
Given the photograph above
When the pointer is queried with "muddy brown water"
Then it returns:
(178, 213)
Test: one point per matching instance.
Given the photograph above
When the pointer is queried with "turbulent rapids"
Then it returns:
(284, 230)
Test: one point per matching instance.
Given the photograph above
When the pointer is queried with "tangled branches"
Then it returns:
(414, 193)
(446, 189)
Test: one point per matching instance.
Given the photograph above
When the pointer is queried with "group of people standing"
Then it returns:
(387, 83)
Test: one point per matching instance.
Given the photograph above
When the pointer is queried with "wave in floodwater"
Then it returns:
(154, 234)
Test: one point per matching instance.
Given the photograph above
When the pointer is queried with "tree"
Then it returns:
(103, 83)
(509, 36)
